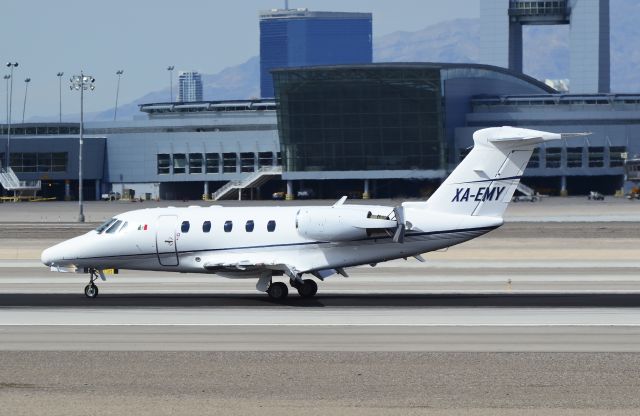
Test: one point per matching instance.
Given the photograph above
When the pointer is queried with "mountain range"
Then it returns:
(546, 56)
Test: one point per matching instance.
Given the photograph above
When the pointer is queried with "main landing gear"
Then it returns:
(91, 290)
(307, 289)
(278, 291)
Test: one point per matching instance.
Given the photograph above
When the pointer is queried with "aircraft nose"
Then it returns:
(49, 256)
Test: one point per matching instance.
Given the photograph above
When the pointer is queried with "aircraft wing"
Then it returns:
(248, 262)
(255, 264)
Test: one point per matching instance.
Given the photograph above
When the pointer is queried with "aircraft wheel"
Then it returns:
(278, 291)
(308, 289)
(91, 291)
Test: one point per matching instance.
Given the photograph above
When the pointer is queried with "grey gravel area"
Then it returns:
(318, 383)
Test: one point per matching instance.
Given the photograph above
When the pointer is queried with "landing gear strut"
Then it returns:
(91, 290)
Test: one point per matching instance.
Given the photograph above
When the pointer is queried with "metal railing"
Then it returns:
(9, 181)
(248, 181)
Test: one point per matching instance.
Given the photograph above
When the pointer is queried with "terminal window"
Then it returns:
(212, 162)
(534, 160)
(229, 161)
(39, 162)
(574, 157)
(179, 163)
(164, 164)
(265, 159)
(195, 162)
(463, 153)
(247, 162)
(59, 161)
(596, 157)
(553, 156)
(615, 156)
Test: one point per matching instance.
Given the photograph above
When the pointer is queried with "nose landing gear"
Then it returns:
(91, 290)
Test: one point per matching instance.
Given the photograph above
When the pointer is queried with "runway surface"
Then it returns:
(460, 305)
(534, 319)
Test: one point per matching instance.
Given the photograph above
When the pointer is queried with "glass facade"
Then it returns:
(294, 38)
(360, 118)
(38, 162)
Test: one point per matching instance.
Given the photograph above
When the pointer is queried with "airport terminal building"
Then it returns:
(372, 130)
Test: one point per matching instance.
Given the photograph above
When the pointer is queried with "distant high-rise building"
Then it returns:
(299, 37)
(189, 86)
(501, 24)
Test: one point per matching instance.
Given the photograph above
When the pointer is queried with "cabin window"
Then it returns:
(271, 226)
(249, 226)
(114, 227)
(206, 226)
(185, 226)
(228, 226)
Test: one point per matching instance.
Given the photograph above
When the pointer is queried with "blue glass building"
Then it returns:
(299, 37)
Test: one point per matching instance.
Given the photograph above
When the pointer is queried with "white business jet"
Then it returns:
(262, 242)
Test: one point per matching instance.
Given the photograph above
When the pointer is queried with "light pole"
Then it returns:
(81, 83)
(115, 111)
(170, 69)
(6, 108)
(59, 75)
(24, 103)
(11, 67)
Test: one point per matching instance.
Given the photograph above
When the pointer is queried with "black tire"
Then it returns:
(294, 283)
(278, 291)
(91, 291)
(308, 289)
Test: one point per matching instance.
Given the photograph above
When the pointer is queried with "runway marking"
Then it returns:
(515, 325)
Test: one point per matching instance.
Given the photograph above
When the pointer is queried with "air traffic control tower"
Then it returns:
(501, 36)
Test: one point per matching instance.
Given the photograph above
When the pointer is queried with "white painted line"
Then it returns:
(426, 325)
(287, 316)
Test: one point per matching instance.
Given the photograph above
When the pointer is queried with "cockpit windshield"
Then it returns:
(114, 227)
(105, 225)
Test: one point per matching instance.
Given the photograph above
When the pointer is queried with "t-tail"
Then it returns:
(485, 181)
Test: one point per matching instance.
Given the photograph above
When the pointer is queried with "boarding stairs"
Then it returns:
(21, 189)
(524, 189)
(528, 194)
(252, 180)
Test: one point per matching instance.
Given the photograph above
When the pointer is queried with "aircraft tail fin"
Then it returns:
(484, 182)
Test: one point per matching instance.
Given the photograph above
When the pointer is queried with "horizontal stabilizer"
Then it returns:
(571, 135)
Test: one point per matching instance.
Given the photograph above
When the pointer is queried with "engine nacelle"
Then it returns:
(338, 223)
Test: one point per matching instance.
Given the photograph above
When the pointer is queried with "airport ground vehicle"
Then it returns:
(595, 196)
(111, 196)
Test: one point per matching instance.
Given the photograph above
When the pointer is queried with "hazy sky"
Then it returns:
(142, 37)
